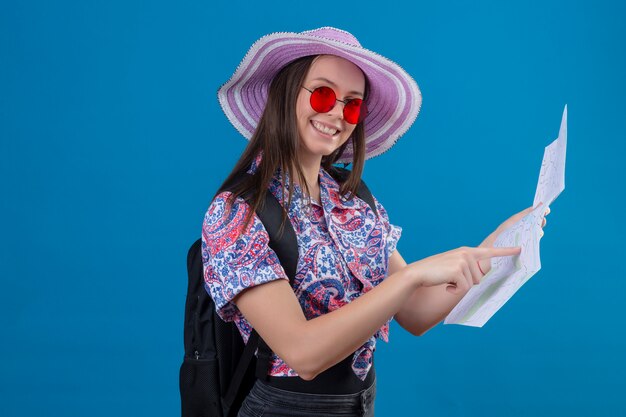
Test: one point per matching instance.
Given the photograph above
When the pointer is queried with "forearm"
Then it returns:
(426, 307)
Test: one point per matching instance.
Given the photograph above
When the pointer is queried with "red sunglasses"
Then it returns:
(323, 100)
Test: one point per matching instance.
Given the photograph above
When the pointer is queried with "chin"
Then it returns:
(320, 151)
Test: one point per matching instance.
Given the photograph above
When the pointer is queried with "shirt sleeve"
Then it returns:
(392, 232)
(235, 259)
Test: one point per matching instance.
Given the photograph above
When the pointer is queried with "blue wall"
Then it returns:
(112, 144)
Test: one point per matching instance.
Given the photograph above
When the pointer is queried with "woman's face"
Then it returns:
(322, 133)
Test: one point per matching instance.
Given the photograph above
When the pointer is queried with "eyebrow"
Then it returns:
(332, 84)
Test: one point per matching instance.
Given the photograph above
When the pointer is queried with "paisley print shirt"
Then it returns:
(343, 249)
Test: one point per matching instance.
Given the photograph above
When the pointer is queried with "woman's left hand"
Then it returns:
(485, 264)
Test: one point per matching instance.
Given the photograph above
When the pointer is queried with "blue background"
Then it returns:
(113, 142)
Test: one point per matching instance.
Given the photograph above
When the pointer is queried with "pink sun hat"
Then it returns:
(393, 102)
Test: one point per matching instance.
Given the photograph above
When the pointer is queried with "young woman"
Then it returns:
(308, 101)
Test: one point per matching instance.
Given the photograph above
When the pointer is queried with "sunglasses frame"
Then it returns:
(362, 106)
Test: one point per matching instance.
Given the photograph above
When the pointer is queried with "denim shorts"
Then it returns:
(265, 400)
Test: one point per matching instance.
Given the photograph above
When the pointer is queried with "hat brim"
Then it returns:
(394, 99)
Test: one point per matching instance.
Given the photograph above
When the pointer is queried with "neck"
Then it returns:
(311, 169)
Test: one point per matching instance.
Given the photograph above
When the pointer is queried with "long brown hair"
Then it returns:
(277, 137)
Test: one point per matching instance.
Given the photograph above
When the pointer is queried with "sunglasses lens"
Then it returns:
(323, 99)
(353, 111)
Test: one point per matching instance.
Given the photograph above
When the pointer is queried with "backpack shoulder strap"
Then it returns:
(283, 242)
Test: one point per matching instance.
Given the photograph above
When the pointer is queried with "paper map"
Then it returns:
(509, 273)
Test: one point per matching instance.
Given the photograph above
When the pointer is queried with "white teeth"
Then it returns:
(324, 129)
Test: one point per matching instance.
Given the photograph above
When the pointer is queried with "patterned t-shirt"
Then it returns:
(343, 250)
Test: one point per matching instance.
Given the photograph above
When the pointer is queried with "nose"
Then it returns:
(337, 109)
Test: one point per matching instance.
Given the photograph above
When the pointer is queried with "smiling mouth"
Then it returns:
(324, 129)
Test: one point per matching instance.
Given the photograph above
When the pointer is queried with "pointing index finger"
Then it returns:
(483, 253)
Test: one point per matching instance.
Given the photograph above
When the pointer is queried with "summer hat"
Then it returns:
(393, 101)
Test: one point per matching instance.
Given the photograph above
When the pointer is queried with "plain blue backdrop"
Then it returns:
(113, 142)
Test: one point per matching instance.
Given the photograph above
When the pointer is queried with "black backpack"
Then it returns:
(218, 370)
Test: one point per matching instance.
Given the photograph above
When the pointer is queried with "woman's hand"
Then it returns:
(457, 268)
(485, 264)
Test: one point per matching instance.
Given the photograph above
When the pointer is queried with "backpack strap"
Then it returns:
(284, 241)
(364, 194)
(284, 244)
